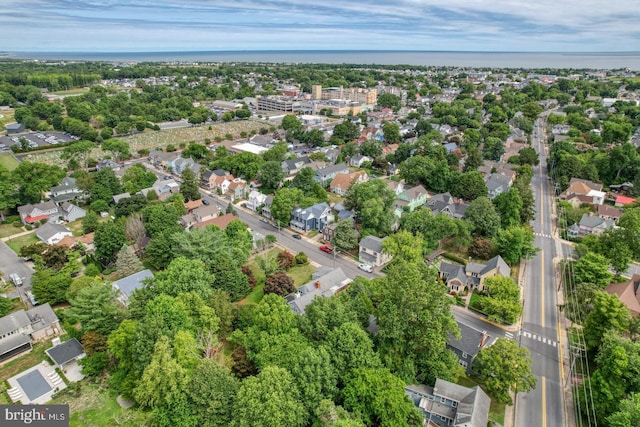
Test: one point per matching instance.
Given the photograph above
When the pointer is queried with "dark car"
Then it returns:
(297, 236)
(205, 202)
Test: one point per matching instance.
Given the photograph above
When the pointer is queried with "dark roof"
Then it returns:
(128, 284)
(326, 286)
(41, 316)
(452, 271)
(373, 243)
(65, 352)
(470, 340)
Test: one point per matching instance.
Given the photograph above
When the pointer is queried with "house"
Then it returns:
(343, 213)
(622, 200)
(119, 197)
(162, 187)
(589, 224)
(255, 200)
(162, 159)
(191, 205)
(609, 212)
(371, 251)
(628, 293)
(219, 221)
(415, 196)
(449, 404)
(357, 160)
(472, 275)
(180, 164)
(470, 343)
(70, 212)
(326, 174)
(66, 353)
(587, 188)
(266, 209)
(201, 214)
(106, 163)
(329, 231)
(497, 184)
(312, 218)
(445, 203)
(20, 328)
(343, 181)
(67, 190)
(396, 186)
(51, 233)
(323, 284)
(212, 179)
(71, 242)
(293, 166)
(30, 214)
(221, 183)
(238, 189)
(14, 127)
(127, 285)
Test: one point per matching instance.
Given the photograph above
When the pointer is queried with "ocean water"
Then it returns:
(529, 60)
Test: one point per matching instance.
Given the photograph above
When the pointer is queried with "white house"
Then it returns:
(256, 199)
(51, 233)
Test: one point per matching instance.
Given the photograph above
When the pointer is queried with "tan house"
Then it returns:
(216, 180)
(585, 187)
(237, 189)
(201, 214)
(343, 181)
(472, 275)
(627, 293)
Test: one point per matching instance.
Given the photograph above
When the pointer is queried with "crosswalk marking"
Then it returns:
(542, 235)
(535, 337)
(508, 334)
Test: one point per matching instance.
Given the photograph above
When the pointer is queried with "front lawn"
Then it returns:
(496, 411)
(7, 230)
(475, 301)
(301, 274)
(18, 242)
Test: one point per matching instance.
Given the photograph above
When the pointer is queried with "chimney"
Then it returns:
(55, 341)
(483, 340)
(317, 284)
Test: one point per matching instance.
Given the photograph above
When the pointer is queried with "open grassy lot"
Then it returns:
(20, 241)
(8, 161)
(91, 405)
(6, 116)
(496, 412)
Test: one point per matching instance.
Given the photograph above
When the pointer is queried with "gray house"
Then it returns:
(51, 233)
(312, 218)
(324, 283)
(371, 251)
(293, 166)
(65, 353)
(445, 203)
(472, 275)
(449, 404)
(67, 190)
(71, 212)
(326, 174)
(497, 184)
(470, 343)
(128, 284)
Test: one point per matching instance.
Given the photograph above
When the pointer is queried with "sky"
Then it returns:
(424, 25)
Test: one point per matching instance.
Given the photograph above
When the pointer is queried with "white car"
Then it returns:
(366, 267)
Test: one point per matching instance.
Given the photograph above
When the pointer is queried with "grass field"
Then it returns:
(19, 242)
(91, 405)
(496, 412)
(301, 274)
(8, 161)
(9, 230)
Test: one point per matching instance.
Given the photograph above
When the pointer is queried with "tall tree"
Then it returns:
(482, 214)
(118, 148)
(470, 186)
(189, 186)
(212, 392)
(96, 309)
(137, 177)
(592, 268)
(504, 366)
(284, 201)
(33, 179)
(271, 175)
(108, 239)
(515, 243)
(127, 262)
(509, 205)
(271, 398)
(608, 314)
(345, 236)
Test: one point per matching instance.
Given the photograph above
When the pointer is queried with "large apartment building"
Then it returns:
(354, 94)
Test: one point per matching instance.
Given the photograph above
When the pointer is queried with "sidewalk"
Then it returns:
(23, 233)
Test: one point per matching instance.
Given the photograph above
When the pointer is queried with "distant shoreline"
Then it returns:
(529, 60)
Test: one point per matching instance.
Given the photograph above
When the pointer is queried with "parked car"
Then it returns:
(297, 236)
(326, 248)
(366, 267)
(15, 279)
(205, 202)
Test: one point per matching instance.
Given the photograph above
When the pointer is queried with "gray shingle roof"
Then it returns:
(42, 316)
(326, 286)
(49, 230)
(372, 243)
(13, 321)
(65, 352)
(470, 339)
(128, 284)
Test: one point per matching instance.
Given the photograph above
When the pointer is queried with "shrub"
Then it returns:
(285, 260)
(301, 258)
(279, 283)
(17, 224)
(247, 272)
(28, 227)
(92, 270)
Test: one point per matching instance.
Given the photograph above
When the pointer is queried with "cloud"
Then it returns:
(487, 25)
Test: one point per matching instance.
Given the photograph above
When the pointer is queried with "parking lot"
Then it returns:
(35, 139)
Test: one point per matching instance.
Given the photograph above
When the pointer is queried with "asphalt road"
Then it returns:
(11, 263)
(543, 406)
(285, 238)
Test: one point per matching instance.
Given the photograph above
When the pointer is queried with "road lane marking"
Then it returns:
(542, 287)
(561, 357)
(544, 402)
(541, 201)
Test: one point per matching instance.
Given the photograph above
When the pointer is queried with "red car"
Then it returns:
(327, 249)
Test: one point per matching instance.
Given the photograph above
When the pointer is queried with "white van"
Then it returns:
(366, 267)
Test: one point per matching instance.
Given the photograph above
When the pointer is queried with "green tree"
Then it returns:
(50, 286)
(483, 216)
(608, 314)
(345, 237)
(528, 155)
(106, 185)
(96, 308)
(78, 151)
(515, 243)
(372, 202)
(184, 275)
(389, 100)
(271, 175)
(118, 148)
(33, 179)
(592, 268)
(8, 191)
(493, 148)
(414, 320)
(378, 398)
(350, 347)
(330, 415)
(189, 186)
(160, 217)
(503, 304)
(391, 133)
(137, 177)
(509, 205)
(5, 306)
(404, 247)
(212, 393)
(291, 123)
(89, 222)
(271, 398)
(284, 201)
(470, 186)
(473, 160)
(127, 262)
(504, 367)
(108, 239)
(628, 413)
(277, 153)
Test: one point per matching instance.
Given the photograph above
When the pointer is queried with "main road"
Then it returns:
(540, 328)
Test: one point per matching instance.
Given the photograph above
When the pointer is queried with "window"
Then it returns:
(464, 355)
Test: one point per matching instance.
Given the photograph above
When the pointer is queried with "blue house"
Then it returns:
(312, 218)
